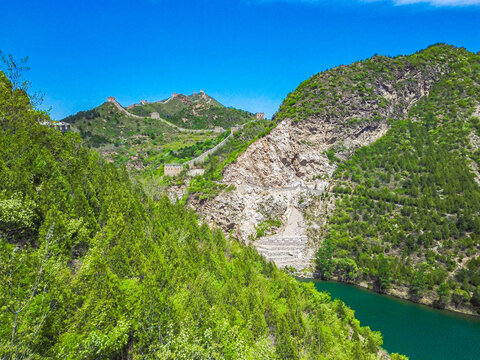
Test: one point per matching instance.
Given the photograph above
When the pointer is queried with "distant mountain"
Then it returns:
(133, 136)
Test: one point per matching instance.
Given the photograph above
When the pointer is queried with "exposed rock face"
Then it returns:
(475, 143)
(276, 178)
(294, 155)
(289, 168)
(283, 158)
(290, 247)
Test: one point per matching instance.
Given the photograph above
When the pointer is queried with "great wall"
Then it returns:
(155, 116)
(174, 169)
(199, 159)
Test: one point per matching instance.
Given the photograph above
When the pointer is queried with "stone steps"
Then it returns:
(297, 245)
(280, 252)
(279, 255)
(295, 264)
(263, 248)
(282, 241)
(287, 259)
(284, 238)
(284, 250)
(283, 263)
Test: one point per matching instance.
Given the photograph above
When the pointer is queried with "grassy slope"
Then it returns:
(235, 146)
(407, 206)
(92, 269)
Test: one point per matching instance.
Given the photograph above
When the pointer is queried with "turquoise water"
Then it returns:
(420, 332)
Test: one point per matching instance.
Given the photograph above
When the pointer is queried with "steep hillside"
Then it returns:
(91, 268)
(406, 203)
(196, 111)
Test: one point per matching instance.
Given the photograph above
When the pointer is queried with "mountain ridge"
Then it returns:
(148, 135)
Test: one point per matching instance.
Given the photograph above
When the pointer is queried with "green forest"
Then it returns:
(93, 268)
(95, 263)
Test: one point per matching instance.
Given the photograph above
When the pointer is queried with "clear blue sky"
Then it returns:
(246, 53)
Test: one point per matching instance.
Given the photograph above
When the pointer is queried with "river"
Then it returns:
(418, 331)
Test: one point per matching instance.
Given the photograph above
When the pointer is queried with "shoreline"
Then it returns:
(396, 292)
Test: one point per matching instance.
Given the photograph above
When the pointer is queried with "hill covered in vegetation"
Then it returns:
(195, 111)
(144, 143)
(406, 208)
(92, 268)
(138, 143)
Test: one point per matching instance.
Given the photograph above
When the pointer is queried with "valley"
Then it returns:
(240, 180)
(95, 265)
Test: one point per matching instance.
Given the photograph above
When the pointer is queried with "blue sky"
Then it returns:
(247, 53)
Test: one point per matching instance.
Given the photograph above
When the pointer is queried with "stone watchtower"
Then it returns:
(172, 169)
(111, 99)
(260, 116)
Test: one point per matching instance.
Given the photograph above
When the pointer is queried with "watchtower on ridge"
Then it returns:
(260, 116)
